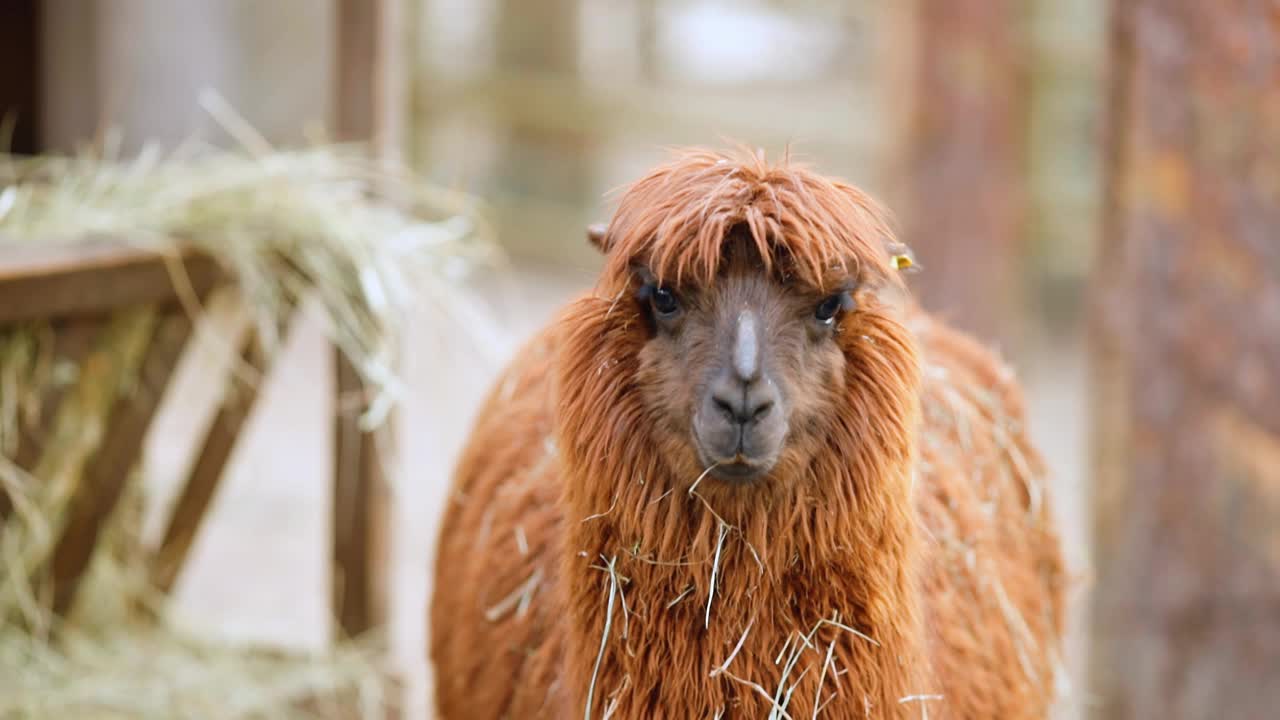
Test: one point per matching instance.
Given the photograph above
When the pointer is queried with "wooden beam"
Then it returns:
(202, 481)
(20, 55)
(94, 279)
(73, 339)
(108, 467)
(360, 510)
(355, 106)
(371, 77)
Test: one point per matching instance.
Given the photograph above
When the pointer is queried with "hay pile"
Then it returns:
(323, 223)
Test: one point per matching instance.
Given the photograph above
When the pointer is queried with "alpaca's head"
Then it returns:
(739, 369)
(751, 282)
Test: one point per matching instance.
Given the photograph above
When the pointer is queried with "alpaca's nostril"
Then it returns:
(762, 411)
(727, 408)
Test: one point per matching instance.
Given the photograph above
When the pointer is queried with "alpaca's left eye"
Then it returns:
(827, 309)
(664, 301)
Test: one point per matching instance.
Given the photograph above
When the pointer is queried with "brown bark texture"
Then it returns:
(1186, 614)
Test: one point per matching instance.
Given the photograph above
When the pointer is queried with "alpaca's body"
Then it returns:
(990, 564)
(737, 481)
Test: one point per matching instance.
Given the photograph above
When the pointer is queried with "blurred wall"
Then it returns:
(140, 65)
(542, 108)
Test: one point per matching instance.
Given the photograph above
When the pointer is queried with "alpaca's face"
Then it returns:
(742, 374)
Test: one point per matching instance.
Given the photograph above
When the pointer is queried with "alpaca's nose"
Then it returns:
(741, 422)
(743, 402)
(741, 427)
(741, 391)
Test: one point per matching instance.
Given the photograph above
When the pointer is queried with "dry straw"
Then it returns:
(370, 243)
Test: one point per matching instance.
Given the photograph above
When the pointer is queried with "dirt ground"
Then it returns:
(258, 571)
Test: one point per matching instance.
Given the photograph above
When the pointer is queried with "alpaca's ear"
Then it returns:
(595, 235)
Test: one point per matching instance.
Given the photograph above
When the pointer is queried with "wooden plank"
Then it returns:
(372, 77)
(73, 339)
(360, 511)
(20, 55)
(82, 419)
(202, 481)
(46, 282)
(108, 467)
(355, 99)
(364, 111)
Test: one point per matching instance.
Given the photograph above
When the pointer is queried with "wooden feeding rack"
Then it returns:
(90, 296)
(82, 291)
(86, 295)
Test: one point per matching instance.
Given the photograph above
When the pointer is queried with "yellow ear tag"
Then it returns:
(902, 261)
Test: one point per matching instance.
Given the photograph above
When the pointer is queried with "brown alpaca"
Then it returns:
(737, 481)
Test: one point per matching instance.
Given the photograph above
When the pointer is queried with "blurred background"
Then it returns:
(1093, 184)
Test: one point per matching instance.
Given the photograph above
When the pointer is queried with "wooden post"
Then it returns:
(360, 512)
(361, 494)
(370, 75)
(20, 83)
(1187, 366)
(962, 201)
(72, 338)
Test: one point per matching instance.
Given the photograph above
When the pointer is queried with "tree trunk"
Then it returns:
(963, 200)
(1187, 366)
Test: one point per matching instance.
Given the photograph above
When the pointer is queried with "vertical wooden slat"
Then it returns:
(359, 513)
(73, 338)
(372, 76)
(1186, 614)
(360, 493)
(355, 105)
(19, 84)
(108, 468)
(71, 91)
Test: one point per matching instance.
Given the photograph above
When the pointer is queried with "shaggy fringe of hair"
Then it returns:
(806, 226)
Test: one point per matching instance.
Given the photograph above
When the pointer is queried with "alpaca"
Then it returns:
(747, 478)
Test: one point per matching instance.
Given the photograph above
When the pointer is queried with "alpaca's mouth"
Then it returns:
(739, 468)
(739, 471)
(738, 452)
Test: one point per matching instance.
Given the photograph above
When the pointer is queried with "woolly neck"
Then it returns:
(663, 570)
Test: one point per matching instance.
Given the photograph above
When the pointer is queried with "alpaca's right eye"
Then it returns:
(664, 301)
(827, 309)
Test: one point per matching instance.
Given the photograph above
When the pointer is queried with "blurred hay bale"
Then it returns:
(368, 242)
